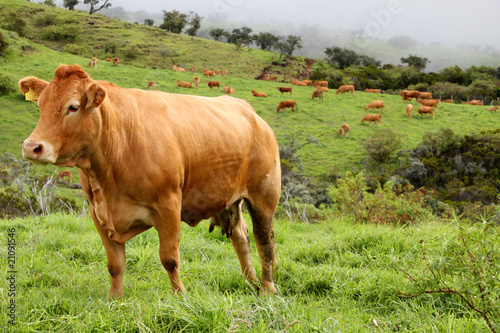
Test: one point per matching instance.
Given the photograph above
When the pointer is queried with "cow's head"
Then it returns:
(68, 124)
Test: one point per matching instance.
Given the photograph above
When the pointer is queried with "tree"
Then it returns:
(341, 57)
(95, 3)
(266, 40)
(292, 42)
(217, 34)
(49, 3)
(195, 21)
(70, 4)
(365, 60)
(149, 22)
(174, 21)
(240, 36)
(415, 61)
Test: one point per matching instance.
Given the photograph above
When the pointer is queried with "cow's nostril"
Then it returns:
(38, 150)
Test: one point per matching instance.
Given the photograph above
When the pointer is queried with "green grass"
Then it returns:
(334, 276)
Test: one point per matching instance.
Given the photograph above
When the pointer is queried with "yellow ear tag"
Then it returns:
(31, 95)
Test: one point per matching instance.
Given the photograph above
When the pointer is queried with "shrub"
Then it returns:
(7, 84)
(70, 32)
(46, 19)
(3, 43)
(74, 49)
(132, 52)
(13, 22)
(381, 145)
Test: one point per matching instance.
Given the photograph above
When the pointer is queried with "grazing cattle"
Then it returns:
(184, 84)
(322, 89)
(426, 110)
(429, 102)
(375, 105)
(153, 159)
(425, 95)
(212, 84)
(372, 117)
(345, 88)
(193, 69)
(109, 59)
(447, 101)
(116, 61)
(221, 73)
(93, 62)
(474, 102)
(493, 108)
(206, 72)
(258, 94)
(228, 90)
(287, 104)
(65, 173)
(297, 82)
(409, 94)
(375, 91)
(286, 89)
(344, 130)
(317, 93)
(196, 81)
(273, 78)
(152, 84)
(409, 109)
(308, 83)
(321, 83)
(266, 77)
(178, 69)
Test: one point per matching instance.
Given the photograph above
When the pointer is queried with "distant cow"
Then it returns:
(116, 61)
(474, 102)
(228, 90)
(149, 159)
(258, 94)
(65, 173)
(184, 84)
(308, 83)
(493, 108)
(193, 69)
(286, 89)
(322, 89)
(409, 109)
(372, 117)
(317, 94)
(344, 130)
(206, 72)
(178, 69)
(287, 104)
(297, 82)
(425, 95)
(409, 94)
(375, 91)
(447, 101)
(152, 84)
(221, 73)
(345, 88)
(429, 102)
(196, 81)
(375, 105)
(212, 84)
(93, 62)
(426, 110)
(321, 83)
(109, 59)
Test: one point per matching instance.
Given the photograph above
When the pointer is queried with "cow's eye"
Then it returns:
(72, 108)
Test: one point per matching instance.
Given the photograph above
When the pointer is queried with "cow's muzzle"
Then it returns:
(38, 151)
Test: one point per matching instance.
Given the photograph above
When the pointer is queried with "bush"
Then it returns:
(46, 19)
(13, 22)
(3, 43)
(69, 33)
(7, 85)
(75, 49)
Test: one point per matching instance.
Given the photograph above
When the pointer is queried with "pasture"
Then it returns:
(335, 276)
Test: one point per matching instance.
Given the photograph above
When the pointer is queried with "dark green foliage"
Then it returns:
(416, 61)
(240, 36)
(66, 32)
(217, 34)
(174, 21)
(45, 19)
(341, 57)
(195, 21)
(70, 4)
(3, 43)
(13, 21)
(382, 145)
(74, 49)
(7, 84)
(149, 22)
(266, 40)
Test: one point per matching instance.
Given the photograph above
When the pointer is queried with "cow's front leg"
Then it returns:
(169, 230)
(116, 259)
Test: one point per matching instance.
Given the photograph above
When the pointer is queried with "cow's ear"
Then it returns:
(32, 87)
(95, 96)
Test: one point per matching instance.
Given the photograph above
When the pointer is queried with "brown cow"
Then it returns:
(228, 90)
(375, 105)
(344, 130)
(109, 59)
(184, 84)
(322, 89)
(221, 73)
(153, 159)
(308, 83)
(93, 62)
(447, 101)
(116, 61)
(193, 69)
(425, 95)
(372, 117)
(273, 78)
(196, 81)
(206, 72)
(493, 108)
(152, 84)
(178, 69)
(212, 84)
(258, 94)
(426, 110)
(317, 93)
(65, 173)
(287, 104)
(429, 102)
(321, 83)
(474, 102)
(345, 88)
(409, 94)
(286, 89)
(409, 109)
(374, 91)
(297, 82)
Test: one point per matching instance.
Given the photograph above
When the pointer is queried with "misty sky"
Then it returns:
(449, 22)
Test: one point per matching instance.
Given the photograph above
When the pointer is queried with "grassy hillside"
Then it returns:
(319, 118)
